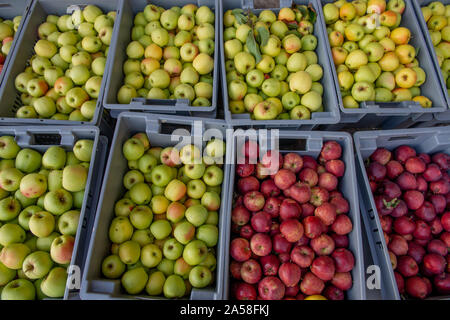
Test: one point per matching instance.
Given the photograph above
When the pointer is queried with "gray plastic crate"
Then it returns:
(310, 143)
(428, 140)
(23, 50)
(8, 10)
(330, 100)
(442, 117)
(40, 138)
(393, 114)
(119, 56)
(159, 129)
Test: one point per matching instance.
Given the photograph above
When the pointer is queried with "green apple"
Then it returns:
(54, 284)
(196, 188)
(74, 177)
(120, 230)
(57, 202)
(195, 252)
(300, 113)
(54, 158)
(112, 267)
(25, 215)
(42, 224)
(45, 243)
(143, 237)
(200, 277)
(28, 160)
(141, 217)
(131, 178)
(19, 289)
(140, 193)
(68, 222)
(363, 91)
(37, 265)
(8, 147)
(129, 252)
(9, 208)
(213, 218)
(159, 204)
(174, 287)
(172, 249)
(13, 255)
(213, 176)
(151, 255)
(184, 232)
(11, 233)
(160, 229)
(210, 262)
(6, 274)
(209, 234)
(10, 179)
(166, 266)
(161, 175)
(182, 268)
(155, 283)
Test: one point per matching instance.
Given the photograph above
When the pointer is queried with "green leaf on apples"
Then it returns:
(253, 47)
(303, 11)
(298, 34)
(312, 14)
(263, 35)
(239, 15)
(292, 25)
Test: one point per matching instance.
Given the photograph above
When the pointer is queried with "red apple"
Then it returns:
(290, 274)
(254, 201)
(326, 212)
(442, 283)
(300, 192)
(342, 225)
(235, 269)
(303, 256)
(393, 169)
(404, 225)
(414, 199)
(246, 232)
(442, 160)
(322, 245)
(415, 165)
(407, 266)
(293, 162)
(331, 150)
(313, 226)
(400, 282)
(261, 222)
(323, 267)
(272, 206)
(292, 291)
(441, 186)
(271, 288)
(292, 230)
(342, 280)
(309, 162)
(284, 178)
(422, 231)
(311, 284)
(269, 189)
(403, 153)
(319, 196)
(240, 215)
(445, 221)
(247, 184)
(437, 246)
(438, 202)
(376, 171)
(273, 160)
(309, 176)
(261, 244)
(280, 244)
(250, 150)
(432, 173)
(381, 155)
(434, 263)
(328, 181)
(245, 169)
(416, 252)
(245, 291)
(340, 241)
(341, 204)
(333, 293)
(270, 265)
(290, 209)
(426, 212)
(307, 210)
(416, 287)
(240, 249)
(344, 260)
(398, 245)
(335, 167)
(251, 271)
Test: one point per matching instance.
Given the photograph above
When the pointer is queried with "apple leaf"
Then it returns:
(303, 10)
(312, 14)
(239, 15)
(298, 34)
(263, 35)
(253, 47)
(292, 25)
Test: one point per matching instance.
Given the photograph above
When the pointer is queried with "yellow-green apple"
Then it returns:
(13, 255)
(19, 289)
(54, 284)
(120, 230)
(33, 185)
(406, 78)
(363, 91)
(74, 177)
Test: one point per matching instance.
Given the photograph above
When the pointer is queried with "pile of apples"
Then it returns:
(8, 28)
(164, 232)
(171, 55)
(64, 76)
(373, 58)
(412, 197)
(290, 227)
(272, 69)
(437, 17)
(41, 197)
